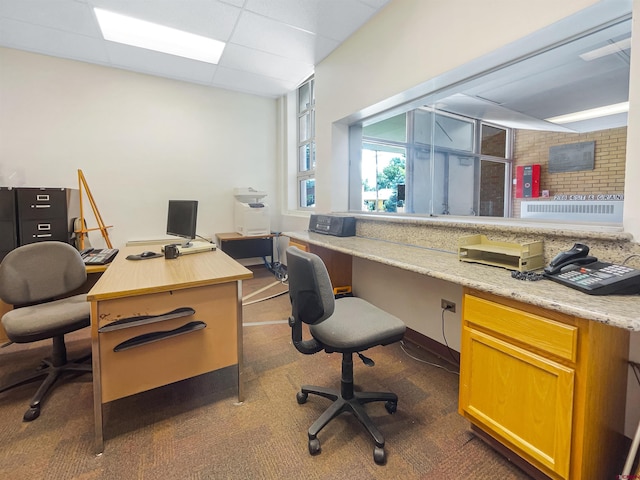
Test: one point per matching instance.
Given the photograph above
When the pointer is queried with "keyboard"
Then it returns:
(98, 256)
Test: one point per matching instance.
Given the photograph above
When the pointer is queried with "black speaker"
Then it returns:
(333, 225)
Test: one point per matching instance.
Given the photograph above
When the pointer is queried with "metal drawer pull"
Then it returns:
(40, 206)
(43, 235)
(44, 226)
(145, 319)
(42, 198)
(157, 336)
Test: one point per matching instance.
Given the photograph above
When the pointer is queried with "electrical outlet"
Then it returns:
(448, 305)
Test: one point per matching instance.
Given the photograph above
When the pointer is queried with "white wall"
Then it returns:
(139, 140)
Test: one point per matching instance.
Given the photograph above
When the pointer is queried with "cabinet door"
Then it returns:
(521, 398)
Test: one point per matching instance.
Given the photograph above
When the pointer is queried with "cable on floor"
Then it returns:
(403, 347)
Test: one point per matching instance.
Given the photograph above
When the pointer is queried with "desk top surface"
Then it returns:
(618, 310)
(236, 236)
(126, 278)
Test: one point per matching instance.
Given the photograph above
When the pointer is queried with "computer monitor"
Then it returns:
(181, 219)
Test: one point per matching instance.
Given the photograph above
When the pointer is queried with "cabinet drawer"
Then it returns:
(32, 231)
(527, 328)
(37, 203)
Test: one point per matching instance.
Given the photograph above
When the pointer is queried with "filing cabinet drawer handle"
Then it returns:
(40, 206)
(42, 235)
(145, 319)
(157, 336)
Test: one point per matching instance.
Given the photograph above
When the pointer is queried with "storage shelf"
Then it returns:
(514, 256)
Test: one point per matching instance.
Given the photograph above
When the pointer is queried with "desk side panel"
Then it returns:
(159, 363)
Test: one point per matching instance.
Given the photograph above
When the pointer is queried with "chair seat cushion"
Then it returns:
(357, 325)
(47, 320)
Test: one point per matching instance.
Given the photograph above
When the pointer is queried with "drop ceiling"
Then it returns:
(272, 45)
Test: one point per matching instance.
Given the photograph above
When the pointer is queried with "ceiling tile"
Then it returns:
(251, 83)
(68, 16)
(161, 64)
(268, 35)
(238, 57)
(50, 41)
(335, 19)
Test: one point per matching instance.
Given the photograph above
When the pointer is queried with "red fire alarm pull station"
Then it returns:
(528, 181)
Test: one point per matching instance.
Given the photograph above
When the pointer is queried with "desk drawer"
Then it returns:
(529, 329)
(172, 359)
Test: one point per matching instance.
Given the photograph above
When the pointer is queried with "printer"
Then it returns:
(251, 214)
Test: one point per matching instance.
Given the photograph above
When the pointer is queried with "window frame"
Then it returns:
(410, 146)
(305, 175)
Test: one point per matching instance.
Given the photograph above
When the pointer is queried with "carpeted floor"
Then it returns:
(195, 429)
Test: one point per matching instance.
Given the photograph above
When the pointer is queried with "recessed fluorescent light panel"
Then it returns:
(607, 50)
(591, 113)
(138, 33)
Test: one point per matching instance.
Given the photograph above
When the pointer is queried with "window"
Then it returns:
(433, 162)
(306, 145)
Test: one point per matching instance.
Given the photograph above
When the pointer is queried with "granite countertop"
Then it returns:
(616, 310)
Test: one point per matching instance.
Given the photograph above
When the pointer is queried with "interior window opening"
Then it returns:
(464, 144)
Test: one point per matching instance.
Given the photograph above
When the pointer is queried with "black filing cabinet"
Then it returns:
(46, 214)
(8, 230)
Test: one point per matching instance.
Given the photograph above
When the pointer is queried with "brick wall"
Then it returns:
(607, 177)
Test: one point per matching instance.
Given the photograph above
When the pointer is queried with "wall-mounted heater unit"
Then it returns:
(574, 211)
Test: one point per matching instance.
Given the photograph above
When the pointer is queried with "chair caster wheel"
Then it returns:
(301, 397)
(314, 446)
(391, 407)
(379, 455)
(31, 414)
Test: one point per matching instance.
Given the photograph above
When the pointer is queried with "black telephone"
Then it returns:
(578, 255)
(576, 269)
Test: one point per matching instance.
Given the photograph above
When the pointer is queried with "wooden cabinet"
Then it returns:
(338, 264)
(298, 244)
(542, 384)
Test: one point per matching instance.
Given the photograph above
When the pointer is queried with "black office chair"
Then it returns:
(348, 325)
(33, 278)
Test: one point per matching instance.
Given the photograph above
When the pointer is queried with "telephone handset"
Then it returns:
(578, 255)
(576, 269)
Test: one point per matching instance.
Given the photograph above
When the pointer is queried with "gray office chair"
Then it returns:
(348, 325)
(33, 278)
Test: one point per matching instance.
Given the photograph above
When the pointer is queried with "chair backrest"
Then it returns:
(310, 289)
(40, 271)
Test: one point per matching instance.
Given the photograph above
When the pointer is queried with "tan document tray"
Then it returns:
(514, 256)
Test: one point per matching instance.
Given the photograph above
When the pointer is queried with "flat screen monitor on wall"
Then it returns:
(181, 219)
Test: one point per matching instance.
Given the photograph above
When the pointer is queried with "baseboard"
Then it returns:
(430, 345)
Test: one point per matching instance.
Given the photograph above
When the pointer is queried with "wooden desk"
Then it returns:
(240, 246)
(208, 282)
